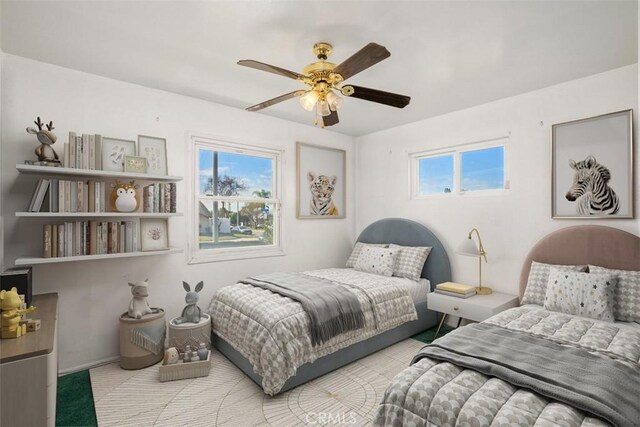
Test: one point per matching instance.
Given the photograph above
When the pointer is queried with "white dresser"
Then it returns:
(29, 370)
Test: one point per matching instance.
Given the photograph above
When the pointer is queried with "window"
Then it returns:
(236, 204)
(469, 168)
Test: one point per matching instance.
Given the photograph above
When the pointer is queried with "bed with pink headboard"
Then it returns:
(585, 244)
(584, 371)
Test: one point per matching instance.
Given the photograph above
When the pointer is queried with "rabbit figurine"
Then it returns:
(191, 313)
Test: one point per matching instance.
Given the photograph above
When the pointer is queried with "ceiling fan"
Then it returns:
(325, 79)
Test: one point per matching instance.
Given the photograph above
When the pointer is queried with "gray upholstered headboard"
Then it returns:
(585, 244)
(410, 233)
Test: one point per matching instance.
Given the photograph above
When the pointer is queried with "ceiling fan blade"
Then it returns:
(271, 69)
(369, 55)
(331, 119)
(276, 100)
(379, 96)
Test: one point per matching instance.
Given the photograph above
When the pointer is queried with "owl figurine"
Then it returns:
(124, 197)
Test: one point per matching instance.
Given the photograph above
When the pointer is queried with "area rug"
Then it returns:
(227, 397)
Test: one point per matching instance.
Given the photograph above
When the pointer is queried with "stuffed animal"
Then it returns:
(11, 314)
(171, 356)
(191, 313)
(139, 306)
(46, 138)
(124, 197)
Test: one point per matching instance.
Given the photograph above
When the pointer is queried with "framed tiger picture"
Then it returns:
(592, 167)
(321, 182)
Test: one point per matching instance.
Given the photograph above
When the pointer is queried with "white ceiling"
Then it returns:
(446, 55)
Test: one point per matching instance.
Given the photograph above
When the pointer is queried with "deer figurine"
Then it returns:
(47, 138)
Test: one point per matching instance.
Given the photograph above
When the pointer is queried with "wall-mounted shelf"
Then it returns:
(36, 261)
(95, 215)
(96, 174)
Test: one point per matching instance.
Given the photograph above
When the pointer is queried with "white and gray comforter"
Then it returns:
(272, 331)
(440, 393)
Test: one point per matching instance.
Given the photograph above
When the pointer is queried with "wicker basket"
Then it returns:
(142, 340)
(181, 370)
(190, 333)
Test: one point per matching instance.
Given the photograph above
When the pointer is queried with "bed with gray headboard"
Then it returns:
(575, 364)
(386, 231)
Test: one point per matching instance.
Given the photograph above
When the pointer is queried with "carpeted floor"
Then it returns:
(76, 407)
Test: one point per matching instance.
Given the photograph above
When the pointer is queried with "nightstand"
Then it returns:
(476, 308)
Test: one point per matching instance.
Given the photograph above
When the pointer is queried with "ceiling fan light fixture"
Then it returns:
(308, 100)
(323, 108)
(334, 101)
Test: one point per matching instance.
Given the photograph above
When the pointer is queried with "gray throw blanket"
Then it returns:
(591, 382)
(332, 308)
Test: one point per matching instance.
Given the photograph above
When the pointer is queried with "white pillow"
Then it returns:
(626, 299)
(410, 261)
(351, 262)
(538, 278)
(581, 294)
(377, 260)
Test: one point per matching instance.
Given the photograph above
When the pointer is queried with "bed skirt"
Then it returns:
(325, 364)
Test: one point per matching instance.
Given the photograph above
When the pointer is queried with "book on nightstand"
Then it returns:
(457, 288)
(455, 294)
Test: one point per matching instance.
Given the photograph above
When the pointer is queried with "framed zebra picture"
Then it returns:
(592, 167)
(321, 182)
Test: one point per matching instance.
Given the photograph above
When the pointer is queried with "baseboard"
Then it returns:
(90, 365)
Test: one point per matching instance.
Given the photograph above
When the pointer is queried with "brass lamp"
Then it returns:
(469, 248)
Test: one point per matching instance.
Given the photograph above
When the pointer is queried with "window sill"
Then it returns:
(235, 254)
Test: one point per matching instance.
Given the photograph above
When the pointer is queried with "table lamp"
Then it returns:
(469, 248)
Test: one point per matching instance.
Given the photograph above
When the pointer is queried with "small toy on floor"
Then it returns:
(12, 315)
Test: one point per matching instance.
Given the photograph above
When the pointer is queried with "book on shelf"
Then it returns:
(83, 152)
(89, 238)
(455, 294)
(38, 196)
(159, 198)
(457, 288)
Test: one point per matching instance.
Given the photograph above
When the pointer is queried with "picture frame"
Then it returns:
(154, 149)
(113, 152)
(321, 174)
(154, 234)
(592, 167)
(135, 164)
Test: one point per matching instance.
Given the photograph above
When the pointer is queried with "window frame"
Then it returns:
(212, 143)
(457, 151)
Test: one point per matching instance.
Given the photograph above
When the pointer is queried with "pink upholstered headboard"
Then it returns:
(585, 244)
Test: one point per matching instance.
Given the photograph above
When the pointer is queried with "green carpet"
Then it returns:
(428, 335)
(74, 406)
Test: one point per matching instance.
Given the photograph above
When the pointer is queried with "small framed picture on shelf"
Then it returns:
(135, 164)
(154, 234)
(114, 151)
(155, 151)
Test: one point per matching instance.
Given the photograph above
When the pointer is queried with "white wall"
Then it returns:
(94, 293)
(510, 223)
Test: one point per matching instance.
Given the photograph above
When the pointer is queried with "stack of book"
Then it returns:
(69, 196)
(90, 238)
(159, 198)
(83, 152)
(455, 290)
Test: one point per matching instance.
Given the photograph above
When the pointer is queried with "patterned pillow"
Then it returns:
(410, 261)
(351, 262)
(377, 260)
(538, 278)
(582, 294)
(626, 299)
